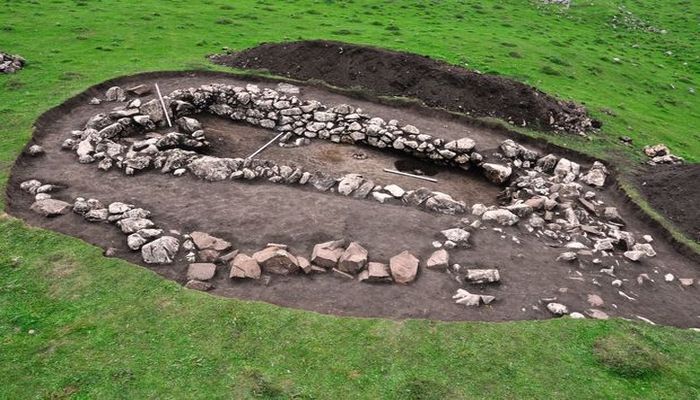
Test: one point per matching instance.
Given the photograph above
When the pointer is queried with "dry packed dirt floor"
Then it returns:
(674, 190)
(251, 214)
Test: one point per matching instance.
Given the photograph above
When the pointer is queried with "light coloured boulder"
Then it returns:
(596, 175)
(646, 248)
(463, 145)
(349, 183)
(457, 235)
(50, 207)
(201, 271)
(135, 241)
(115, 93)
(212, 168)
(244, 266)
(132, 225)
(160, 251)
(496, 173)
(557, 309)
(404, 267)
(634, 255)
(503, 217)
(394, 190)
(483, 275)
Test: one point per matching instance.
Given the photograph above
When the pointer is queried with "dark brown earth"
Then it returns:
(674, 190)
(391, 73)
(253, 214)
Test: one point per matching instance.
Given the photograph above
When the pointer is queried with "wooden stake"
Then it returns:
(265, 146)
(162, 103)
(425, 178)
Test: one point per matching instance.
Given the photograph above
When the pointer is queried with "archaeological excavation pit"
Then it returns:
(500, 231)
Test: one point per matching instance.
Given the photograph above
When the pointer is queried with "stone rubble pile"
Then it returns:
(660, 154)
(552, 197)
(10, 64)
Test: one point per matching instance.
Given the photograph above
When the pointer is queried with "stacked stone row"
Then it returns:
(308, 118)
(176, 152)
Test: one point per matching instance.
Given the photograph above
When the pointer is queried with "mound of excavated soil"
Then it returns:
(674, 190)
(437, 84)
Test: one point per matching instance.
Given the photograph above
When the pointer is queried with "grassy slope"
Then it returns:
(108, 329)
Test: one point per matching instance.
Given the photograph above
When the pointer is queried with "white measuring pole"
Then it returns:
(265, 146)
(162, 103)
(425, 178)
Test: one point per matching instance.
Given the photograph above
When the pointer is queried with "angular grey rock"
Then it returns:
(115, 93)
(483, 276)
(160, 251)
(349, 183)
(119, 207)
(244, 266)
(444, 204)
(496, 173)
(567, 256)
(404, 267)
(50, 207)
(321, 181)
(364, 189)
(97, 215)
(201, 271)
(547, 163)
(557, 309)
(510, 149)
(135, 241)
(634, 255)
(132, 225)
(457, 235)
(394, 190)
(646, 248)
(381, 197)
(212, 168)
(188, 125)
(503, 217)
(565, 167)
(596, 175)
(30, 186)
(611, 214)
(463, 145)
(468, 299)
(353, 259)
(35, 150)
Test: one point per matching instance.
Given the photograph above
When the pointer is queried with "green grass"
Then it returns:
(103, 328)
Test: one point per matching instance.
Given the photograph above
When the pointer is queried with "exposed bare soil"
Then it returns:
(253, 214)
(674, 190)
(390, 73)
